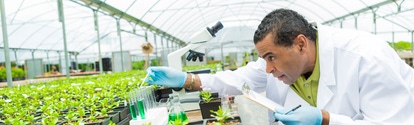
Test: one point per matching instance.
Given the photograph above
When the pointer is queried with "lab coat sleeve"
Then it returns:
(384, 98)
(385, 95)
(384, 89)
(230, 82)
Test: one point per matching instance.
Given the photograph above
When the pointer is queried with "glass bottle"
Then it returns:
(176, 112)
(225, 103)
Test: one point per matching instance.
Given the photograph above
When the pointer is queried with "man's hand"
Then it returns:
(305, 115)
(166, 76)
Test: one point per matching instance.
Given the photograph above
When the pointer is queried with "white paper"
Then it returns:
(263, 101)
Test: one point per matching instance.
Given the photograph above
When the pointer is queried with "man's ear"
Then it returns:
(301, 42)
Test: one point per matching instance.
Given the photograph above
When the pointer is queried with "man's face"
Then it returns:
(285, 63)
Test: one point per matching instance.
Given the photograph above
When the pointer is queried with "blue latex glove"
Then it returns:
(305, 115)
(166, 76)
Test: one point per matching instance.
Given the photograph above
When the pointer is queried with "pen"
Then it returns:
(290, 111)
(293, 109)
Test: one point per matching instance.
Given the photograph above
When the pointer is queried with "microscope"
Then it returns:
(174, 61)
(174, 58)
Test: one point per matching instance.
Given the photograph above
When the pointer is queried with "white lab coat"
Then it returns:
(362, 80)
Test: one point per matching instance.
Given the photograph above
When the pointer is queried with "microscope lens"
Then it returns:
(201, 58)
(194, 58)
(190, 56)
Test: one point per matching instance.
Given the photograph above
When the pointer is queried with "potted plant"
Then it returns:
(222, 117)
(208, 102)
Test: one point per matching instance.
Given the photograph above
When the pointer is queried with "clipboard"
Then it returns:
(259, 99)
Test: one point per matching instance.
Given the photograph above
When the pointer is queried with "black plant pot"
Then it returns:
(236, 118)
(114, 116)
(206, 107)
(125, 121)
(123, 111)
(37, 120)
(18, 79)
(38, 113)
(60, 123)
(103, 122)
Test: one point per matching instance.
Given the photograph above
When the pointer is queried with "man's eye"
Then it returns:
(271, 58)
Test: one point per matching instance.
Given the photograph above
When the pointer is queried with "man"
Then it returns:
(54, 70)
(338, 76)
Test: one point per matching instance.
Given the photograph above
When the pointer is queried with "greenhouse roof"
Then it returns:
(34, 27)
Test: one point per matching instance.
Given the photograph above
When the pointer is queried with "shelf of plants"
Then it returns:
(96, 99)
(17, 74)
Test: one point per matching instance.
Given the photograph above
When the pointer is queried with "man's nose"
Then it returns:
(269, 68)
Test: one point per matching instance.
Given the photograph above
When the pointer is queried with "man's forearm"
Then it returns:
(197, 82)
(325, 117)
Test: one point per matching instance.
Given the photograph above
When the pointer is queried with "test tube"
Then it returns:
(151, 97)
(135, 96)
(141, 108)
(132, 107)
(146, 98)
(140, 103)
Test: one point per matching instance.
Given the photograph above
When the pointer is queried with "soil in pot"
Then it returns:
(235, 121)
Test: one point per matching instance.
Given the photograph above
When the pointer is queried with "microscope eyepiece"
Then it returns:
(193, 55)
(214, 29)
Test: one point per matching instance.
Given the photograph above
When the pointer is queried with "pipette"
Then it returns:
(145, 78)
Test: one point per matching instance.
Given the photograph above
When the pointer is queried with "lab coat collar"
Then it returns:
(326, 62)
